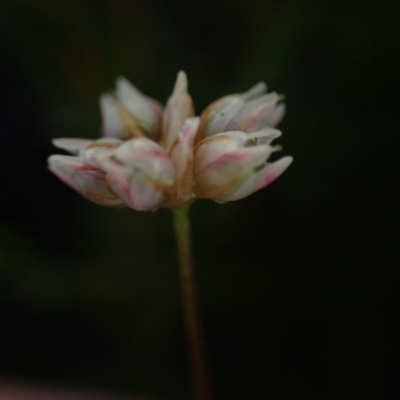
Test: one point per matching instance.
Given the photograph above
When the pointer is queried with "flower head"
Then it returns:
(151, 157)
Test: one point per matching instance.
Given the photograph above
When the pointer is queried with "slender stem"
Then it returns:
(196, 346)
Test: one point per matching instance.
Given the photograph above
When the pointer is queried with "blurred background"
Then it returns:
(298, 283)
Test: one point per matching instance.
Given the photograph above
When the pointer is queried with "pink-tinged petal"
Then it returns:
(218, 114)
(91, 183)
(232, 165)
(133, 186)
(98, 148)
(257, 90)
(257, 179)
(141, 173)
(222, 177)
(118, 122)
(146, 111)
(277, 115)
(271, 172)
(112, 122)
(179, 107)
(260, 178)
(223, 162)
(73, 146)
(64, 167)
(264, 136)
(85, 179)
(182, 157)
(214, 147)
(248, 112)
(254, 115)
(144, 152)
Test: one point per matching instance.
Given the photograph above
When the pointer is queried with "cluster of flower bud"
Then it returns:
(151, 157)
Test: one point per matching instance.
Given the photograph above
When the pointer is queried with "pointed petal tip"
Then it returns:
(278, 114)
(274, 171)
(285, 161)
(182, 73)
(257, 90)
(121, 80)
(270, 132)
(260, 87)
(107, 102)
(54, 142)
(61, 159)
(71, 145)
(192, 121)
(125, 89)
(265, 136)
(181, 83)
(64, 168)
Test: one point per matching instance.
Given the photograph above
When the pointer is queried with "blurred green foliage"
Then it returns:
(298, 283)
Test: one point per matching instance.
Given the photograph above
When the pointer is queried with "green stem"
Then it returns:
(196, 346)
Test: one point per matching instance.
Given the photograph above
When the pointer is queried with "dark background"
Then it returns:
(298, 283)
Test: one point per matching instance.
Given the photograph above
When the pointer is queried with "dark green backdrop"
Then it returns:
(298, 283)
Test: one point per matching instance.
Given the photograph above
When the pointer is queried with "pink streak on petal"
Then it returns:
(272, 171)
(64, 167)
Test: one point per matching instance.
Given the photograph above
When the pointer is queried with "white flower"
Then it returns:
(152, 157)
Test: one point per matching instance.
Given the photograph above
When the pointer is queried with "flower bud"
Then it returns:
(85, 179)
(247, 112)
(232, 165)
(141, 174)
(130, 113)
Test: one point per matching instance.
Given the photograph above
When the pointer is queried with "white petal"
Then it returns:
(141, 173)
(144, 152)
(257, 180)
(277, 115)
(181, 83)
(112, 124)
(217, 115)
(73, 146)
(214, 147)
(92, 184)
(64, 167)
(272, 171)
(253, 114)
(179, 107)
(265, 136)
(99, 148)
(257, 90)
(85, 179)
(218, 176)
(132, 186)
(146, 111)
